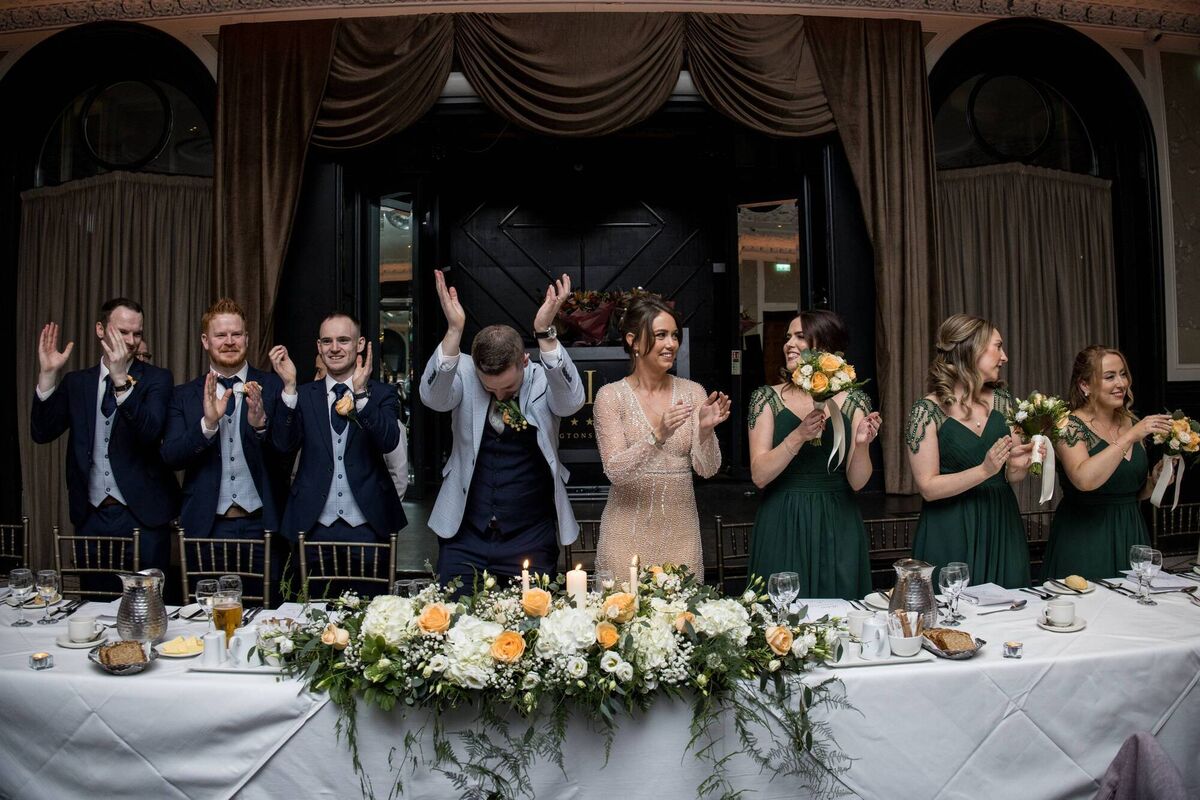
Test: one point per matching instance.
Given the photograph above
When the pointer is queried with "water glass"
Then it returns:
(403, 588)
(206, 591)
(605, 580)
(230, 584)
(20, 581)
(783, 587)
(47, 589)
(962, 579)
(1145, 562)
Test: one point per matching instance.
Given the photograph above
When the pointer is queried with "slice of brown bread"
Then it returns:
(949, 640)
(122, 654)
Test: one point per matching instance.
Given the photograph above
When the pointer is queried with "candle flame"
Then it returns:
(526, 564)
(579, 566)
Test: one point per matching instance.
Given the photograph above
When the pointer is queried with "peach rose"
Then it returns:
(343, 405)
(435, 618)
(508, 647)
(829, 362)
(620, 607)
(849, 370)
(606, 634)
(820, 383)
(779, 638)
(536, 602)
(335, 637)
(683, 620)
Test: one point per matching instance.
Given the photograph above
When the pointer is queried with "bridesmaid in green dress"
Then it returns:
(1104, 471)
(808, 522)
(965, 469)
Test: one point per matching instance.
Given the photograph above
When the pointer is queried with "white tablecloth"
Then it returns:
(1044, 726)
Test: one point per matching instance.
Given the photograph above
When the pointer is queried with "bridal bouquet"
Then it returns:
(531, 653)
(824, 375)
(1183, 438)
(1039, 415)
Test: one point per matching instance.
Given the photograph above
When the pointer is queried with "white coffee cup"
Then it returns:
(874, 637)
(855, 620)
(83, 629)
(1059, 613)
(240, 645)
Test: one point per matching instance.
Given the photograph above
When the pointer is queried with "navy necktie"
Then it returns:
(109, 403)
(336, 419)
(229, 383)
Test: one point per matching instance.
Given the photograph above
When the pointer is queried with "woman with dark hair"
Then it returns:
(653, 429)
(808, 523)
(1105, 470)
(964, 471)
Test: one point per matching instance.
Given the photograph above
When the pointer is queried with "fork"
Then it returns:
(1036, 593)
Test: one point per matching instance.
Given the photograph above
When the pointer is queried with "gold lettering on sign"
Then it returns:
(590, 394)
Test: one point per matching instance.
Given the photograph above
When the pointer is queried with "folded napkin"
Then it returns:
(1160, 584)
(1161, 581)
(4, 592)
(822, 607)
(990, 594)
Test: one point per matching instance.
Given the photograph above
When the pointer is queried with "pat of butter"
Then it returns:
(183, 645)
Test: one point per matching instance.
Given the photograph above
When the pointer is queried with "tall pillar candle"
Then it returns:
(577, 585)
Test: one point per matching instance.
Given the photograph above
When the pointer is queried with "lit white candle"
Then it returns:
(633, 574)
(525, 576)
(577, 585)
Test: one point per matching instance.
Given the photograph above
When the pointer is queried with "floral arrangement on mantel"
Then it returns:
(590, 317)
(526, 657)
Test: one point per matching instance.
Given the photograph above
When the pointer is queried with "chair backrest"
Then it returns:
(14, 544)
(583, 549)
(348, 562)
(96, 556)
(209, 558)
(1177, 532)
(888, 539)
(733, 551)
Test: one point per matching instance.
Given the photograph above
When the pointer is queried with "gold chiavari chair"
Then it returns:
(353, 565)
(583, 549)
(733, 553)
(888, 539)
(1177, 532)
(84, 556)
(210, 558)
(14, 544)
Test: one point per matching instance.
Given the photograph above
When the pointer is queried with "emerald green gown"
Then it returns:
(981, 526)
(1092, 531)
(808, 521)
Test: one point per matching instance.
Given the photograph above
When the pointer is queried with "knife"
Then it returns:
(78, 605)
(251, 615)
(1062, 585)
(1117, 589)
(66, 608)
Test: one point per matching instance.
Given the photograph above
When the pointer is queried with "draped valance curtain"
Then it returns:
(349, 83)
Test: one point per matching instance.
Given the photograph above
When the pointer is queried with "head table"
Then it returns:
(1044, 726)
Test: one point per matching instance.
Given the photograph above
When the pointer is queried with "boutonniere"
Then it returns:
(347, 408)
(511, 413)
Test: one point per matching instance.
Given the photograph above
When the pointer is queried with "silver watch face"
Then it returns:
(549, 333)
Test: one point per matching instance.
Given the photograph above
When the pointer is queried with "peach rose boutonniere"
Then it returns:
(435, 618)
(779, 639)
(620, 607)
(606, 635)
(508, 647)
(536, 602)
(335, 637)
(345, 407)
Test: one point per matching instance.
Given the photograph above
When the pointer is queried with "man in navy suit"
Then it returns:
(217, 431)
(115, 411)
(344, 424)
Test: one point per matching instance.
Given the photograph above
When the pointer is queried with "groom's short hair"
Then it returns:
(496, 348)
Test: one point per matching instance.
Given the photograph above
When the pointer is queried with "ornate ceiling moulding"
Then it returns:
(1167, 16)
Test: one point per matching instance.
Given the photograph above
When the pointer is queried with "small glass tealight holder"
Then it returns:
(1013, 649)
(41, 661)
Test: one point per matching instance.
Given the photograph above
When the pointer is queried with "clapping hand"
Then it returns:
(214, 407)
(256, 415)
(998, 454)
(868, 428)
(284, 368)
(362, 372)
(556, 294)
(714, 411)
(50, 360)
(671, 419)
(1021, 456)
(117, 353)
(456, 317)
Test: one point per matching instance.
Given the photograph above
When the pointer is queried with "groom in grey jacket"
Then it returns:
(503, 498)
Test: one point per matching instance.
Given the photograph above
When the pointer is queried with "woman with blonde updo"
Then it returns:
(965, 469)
(1105, 470)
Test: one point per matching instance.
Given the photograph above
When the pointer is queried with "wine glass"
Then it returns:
(20, 581)
(206, 590)
(1139, 561)
(783, 587)
(402, 588)
(946, 581)
(962, 575)
(230, 584)
(47, 589)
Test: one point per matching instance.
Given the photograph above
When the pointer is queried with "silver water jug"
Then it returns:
(914, 590)
(142, 615)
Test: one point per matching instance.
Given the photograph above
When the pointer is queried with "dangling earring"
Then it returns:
(636, 354)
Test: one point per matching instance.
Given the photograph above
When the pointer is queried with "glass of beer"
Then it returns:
(227, 613)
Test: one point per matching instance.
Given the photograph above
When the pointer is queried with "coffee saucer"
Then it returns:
(1079, 624)
(63, 640)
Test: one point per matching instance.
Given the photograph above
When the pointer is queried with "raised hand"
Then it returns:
(284, 368)
(868, 428)
(214, 408)
(256, 415)
(812, 426)
(670, 420)
(116, 353)
(456, 317)
(998, 454)
(362, 372)
(556, 294)
(714, 411)
(1150, 425)
(50, 360)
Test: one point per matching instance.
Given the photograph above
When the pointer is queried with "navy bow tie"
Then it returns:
(229, 383)
(335, 419)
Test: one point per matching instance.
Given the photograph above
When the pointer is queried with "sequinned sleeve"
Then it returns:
(706, 452)
(624, 461)
(856, 400)
(1002, 401)
(764, 397)
(923, 412)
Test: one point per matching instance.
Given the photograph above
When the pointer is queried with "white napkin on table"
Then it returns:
(990, 594)
(1162, 582)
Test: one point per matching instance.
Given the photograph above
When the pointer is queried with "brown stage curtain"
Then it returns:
(873, 71)
(571, 74)
(146, 237)
(386, 73)
(270, 80)
(759, 71)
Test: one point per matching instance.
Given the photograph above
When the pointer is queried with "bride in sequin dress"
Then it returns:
(653, 429)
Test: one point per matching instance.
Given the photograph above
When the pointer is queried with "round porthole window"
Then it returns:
(1010, 117)
(126, 124)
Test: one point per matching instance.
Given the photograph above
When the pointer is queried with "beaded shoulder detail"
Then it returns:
(924, 412)
(762, 398)
(1077, 431)
(1002, 401)
(856, 400)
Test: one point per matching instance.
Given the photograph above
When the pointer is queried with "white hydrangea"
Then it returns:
(390, 618)
(577, 666)
(652, 643)
(566, 631)
(716, 617)
(469, 650)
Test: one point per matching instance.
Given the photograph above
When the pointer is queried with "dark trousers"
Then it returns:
(471, 551)
(226, 560)
(154, 545)
(342, 531)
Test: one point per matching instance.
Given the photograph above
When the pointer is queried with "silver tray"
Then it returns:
(130, 669)
(961, 655)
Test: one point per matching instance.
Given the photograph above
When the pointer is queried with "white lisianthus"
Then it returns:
(717, 617)
(469, 650)
(1022, 416)
(1185, 437)
(285, 645)
(749, 596)
(1174, 444)
(351, 600)
(566, 631)
(841, 378)
(624, 672)
(831, 636)
(806, 370)
(610, 661)
(530, 680)
(439, 663)
(390, 618)
(577, 667)
(774, 664)
(652, 642)
(383, 663)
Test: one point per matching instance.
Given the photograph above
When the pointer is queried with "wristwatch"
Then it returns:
(652, 439)
(550, 333)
